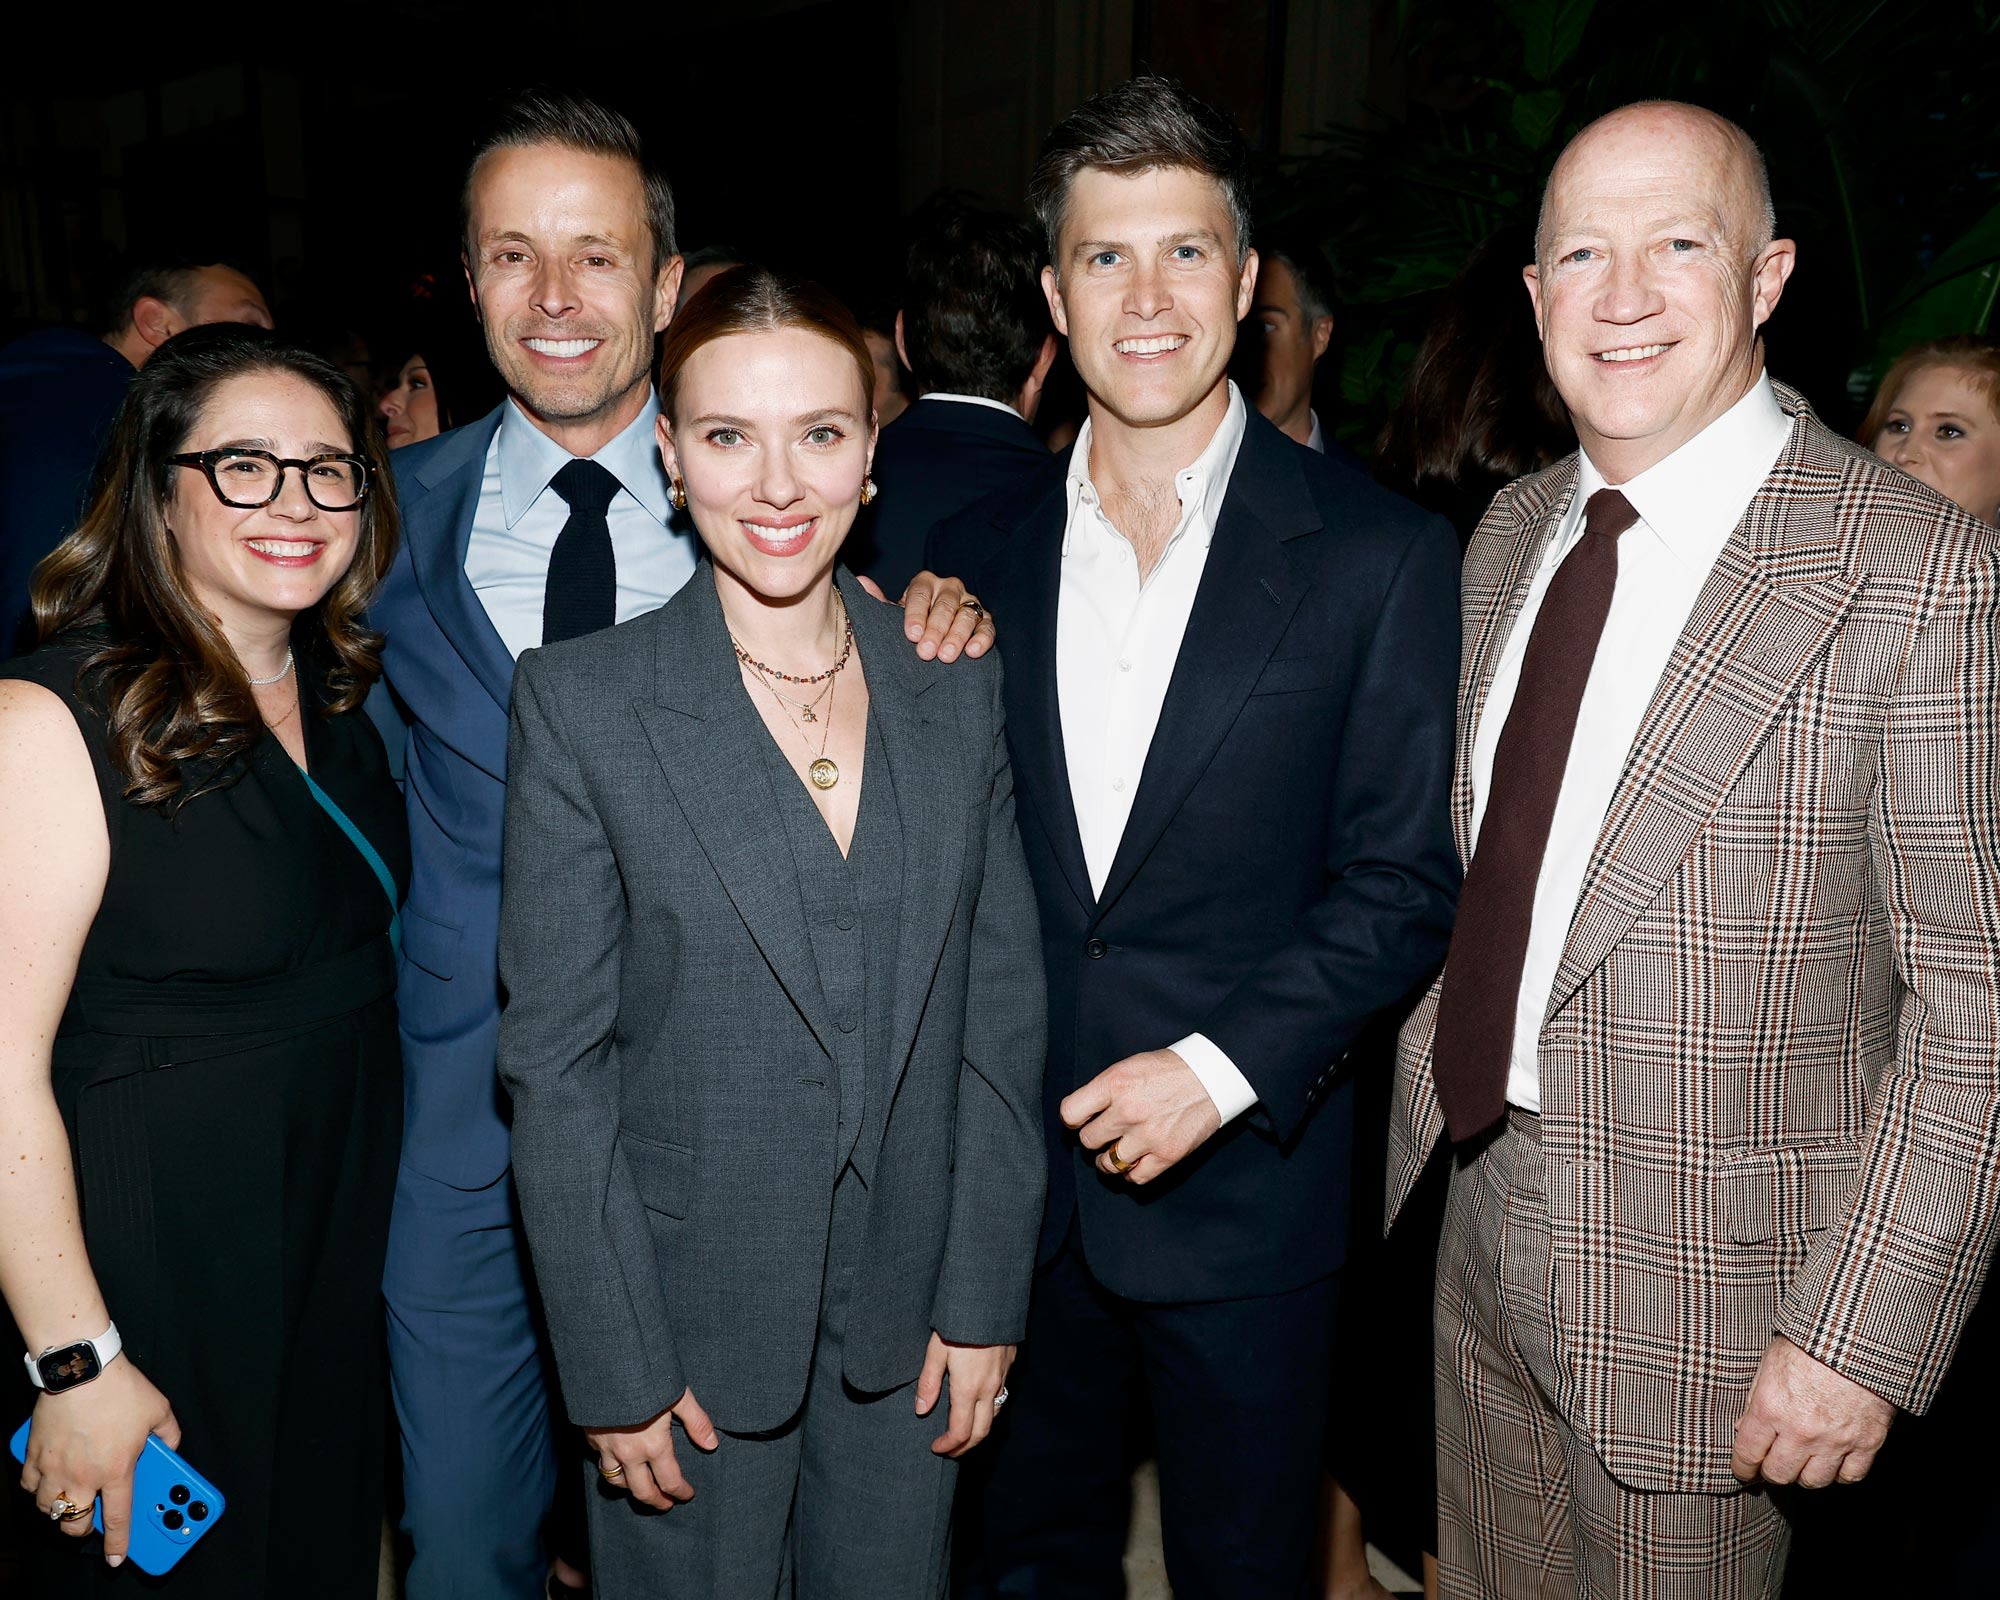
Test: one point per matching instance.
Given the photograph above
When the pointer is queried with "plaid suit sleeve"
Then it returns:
(1884, 1295)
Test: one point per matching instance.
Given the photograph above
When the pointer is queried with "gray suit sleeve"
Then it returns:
(562, 919)
(1000, 1172)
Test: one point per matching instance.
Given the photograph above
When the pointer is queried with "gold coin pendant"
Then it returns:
(824, 774)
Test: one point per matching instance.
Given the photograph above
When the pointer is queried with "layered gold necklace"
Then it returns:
(824, 771)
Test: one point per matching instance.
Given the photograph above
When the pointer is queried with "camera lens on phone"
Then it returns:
(178, 1494)
(173, 1520)
(199, 1511)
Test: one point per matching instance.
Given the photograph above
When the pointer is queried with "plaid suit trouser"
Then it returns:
(1526, 1509)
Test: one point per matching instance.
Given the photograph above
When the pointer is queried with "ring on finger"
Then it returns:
(612, 1473)
(972, 605)
(64, 1509)
(1118, 1162)
(999, 1399)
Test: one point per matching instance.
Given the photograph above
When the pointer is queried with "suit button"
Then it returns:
(843, 922)
(846, 1024)
(1096, 949)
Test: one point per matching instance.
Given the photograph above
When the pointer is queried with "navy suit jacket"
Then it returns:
(1288, 873)
(451, 678)
(937, 458)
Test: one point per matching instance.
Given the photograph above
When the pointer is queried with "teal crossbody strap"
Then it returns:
(368, 854)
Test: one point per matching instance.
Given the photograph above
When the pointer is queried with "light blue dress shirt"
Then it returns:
(519, 517)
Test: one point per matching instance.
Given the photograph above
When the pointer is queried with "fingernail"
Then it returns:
(114, 1561)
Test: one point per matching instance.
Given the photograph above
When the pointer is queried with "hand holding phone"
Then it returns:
(172, 1504)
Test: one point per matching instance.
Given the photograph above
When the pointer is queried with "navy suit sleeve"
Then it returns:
(1391, 887)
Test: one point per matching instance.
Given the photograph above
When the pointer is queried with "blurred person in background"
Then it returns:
(60, 389)
(701, 264)
(1479, 409)
(1937, 416)
(878, 326)
(199, 1072)
(443, 377)
(1286, 337)
(975, 337)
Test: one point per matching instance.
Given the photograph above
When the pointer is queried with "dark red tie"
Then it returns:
(1474, 1041)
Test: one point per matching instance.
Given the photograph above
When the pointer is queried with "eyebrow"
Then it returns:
(1085, 248)
(314, 447)
(829, 413)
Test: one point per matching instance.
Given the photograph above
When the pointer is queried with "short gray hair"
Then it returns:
(573, 122)
(1143, 124)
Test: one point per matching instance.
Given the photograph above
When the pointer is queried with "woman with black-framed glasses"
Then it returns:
(201, 853)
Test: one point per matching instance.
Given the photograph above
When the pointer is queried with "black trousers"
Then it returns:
(1237, 1391)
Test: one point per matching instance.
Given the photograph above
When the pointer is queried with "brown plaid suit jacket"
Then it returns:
(1770, 1065)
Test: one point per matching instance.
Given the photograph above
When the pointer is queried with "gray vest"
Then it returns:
(851, 908)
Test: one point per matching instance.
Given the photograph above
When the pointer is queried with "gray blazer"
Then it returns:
(664, 1033)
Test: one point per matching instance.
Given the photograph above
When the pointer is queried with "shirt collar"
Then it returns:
(970, 400)
(1202, 485)
(529, 458)
(1693, 499)
(1316, 440)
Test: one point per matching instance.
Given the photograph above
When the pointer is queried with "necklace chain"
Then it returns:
(823, 772)
(846, 649)
(276, 677)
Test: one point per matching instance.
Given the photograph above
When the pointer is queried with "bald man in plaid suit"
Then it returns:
(1718, 1037)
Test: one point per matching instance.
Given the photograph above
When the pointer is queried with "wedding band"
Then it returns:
(1118, 1163)
(611, 1474)
(1000, 1399)
(972, 605)
(75, 1514)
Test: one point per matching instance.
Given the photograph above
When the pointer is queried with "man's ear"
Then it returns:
(1246, 285)
(667, 293)
(1029, 400)
(903, 350)
(1322, 335)
(1052, 291)
(1769, 274)
(471, 283)
(154, 321)
(1531, 275)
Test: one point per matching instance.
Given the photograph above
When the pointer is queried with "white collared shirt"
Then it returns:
(1117, 640)
(970, 400)
(1316, 440)
(1688, 506)
(519, 517)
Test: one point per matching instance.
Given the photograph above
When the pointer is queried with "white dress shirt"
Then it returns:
(519, 517)
(1117, 640)
(1316, 440)
(1688, 506)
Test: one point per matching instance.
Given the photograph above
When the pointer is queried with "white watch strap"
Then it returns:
(106, 1345)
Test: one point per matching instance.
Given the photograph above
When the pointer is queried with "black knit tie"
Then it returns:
(582, 593)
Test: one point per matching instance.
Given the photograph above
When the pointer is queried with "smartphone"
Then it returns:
(172, 1505)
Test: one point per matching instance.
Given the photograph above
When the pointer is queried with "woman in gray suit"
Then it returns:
(774, 1029)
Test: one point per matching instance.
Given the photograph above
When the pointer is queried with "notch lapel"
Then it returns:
(1246, 600)
(1770, 609)
(706, 736)
(1490, 613)
(1034, 722)
(438, 529)
(929, 767)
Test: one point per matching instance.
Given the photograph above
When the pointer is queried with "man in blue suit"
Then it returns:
(548, 518)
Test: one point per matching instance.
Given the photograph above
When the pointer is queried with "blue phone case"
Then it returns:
(172, 1505)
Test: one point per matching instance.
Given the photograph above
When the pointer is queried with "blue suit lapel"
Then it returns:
(437, 525)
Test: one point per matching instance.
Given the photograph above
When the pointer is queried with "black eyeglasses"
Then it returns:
(247, 479)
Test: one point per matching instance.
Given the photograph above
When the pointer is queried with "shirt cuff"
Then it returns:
(1227, 1087)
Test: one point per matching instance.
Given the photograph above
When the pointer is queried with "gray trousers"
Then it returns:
(844, 1502)
(1526, 1511)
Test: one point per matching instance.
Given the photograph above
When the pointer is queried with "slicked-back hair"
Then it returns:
(974, 315)
(573, 122)
(1312, 273)
(754, 299)
(1141, 125)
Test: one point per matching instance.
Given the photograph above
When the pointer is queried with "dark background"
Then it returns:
(324, 155)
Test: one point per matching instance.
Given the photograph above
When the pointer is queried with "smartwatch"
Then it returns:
(64, 1366)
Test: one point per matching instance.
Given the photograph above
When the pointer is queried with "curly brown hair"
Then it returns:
(178, 702)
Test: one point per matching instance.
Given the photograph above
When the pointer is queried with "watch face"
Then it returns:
(66, 1368)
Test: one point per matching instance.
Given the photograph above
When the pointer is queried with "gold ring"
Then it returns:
(972, 605)
(612, 1473)
(1118, 1163)
(64, 1509)
(76, 1513)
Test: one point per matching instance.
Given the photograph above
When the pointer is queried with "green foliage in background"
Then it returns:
(1880, 123)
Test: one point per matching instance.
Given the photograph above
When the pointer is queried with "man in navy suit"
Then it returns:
(548, 518)
(974, 332)
(1230, 683)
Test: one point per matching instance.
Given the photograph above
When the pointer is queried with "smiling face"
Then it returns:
(249, 567)
(772, 438)
(561, 265)
(409, 410)
(1943, 430)
(1149, 292)
(1653, 281)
